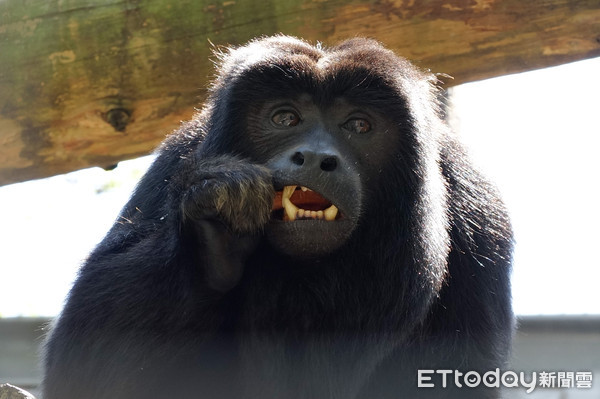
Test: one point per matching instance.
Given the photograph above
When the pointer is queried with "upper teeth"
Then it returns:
(293, 212)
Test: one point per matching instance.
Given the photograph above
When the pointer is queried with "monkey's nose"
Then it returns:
(326, 162)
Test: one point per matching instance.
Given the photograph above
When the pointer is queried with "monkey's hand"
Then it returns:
(226, 203)
(238, 193)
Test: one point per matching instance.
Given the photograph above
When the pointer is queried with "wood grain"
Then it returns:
(85, 83)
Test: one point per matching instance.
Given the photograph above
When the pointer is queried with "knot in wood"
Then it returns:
(118, 118)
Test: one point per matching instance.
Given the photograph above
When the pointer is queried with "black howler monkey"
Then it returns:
(314, 232)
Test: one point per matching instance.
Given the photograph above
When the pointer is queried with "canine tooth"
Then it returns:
(290, 209)
(288, 191)
(330, 213)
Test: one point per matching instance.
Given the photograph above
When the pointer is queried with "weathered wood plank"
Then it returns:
(92, 82)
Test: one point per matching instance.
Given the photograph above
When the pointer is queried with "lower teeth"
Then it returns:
(292, 212)
(328, 214)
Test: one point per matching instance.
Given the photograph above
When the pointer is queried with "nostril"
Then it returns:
(329, 164)
(298, 158)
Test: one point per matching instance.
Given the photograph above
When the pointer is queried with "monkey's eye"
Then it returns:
(357, 125)
(286, 118)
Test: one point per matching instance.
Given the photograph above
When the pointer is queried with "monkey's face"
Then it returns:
(337, 131)
(323, 156)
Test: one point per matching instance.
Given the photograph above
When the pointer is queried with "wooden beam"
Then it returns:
(86, 83)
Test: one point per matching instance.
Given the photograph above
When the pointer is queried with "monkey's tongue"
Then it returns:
(303, 203)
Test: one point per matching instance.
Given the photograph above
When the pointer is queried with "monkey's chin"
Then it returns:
(308, 238)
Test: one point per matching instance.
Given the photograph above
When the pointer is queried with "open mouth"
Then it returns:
(301, 203)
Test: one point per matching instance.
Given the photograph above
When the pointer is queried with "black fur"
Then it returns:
(194, 292)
